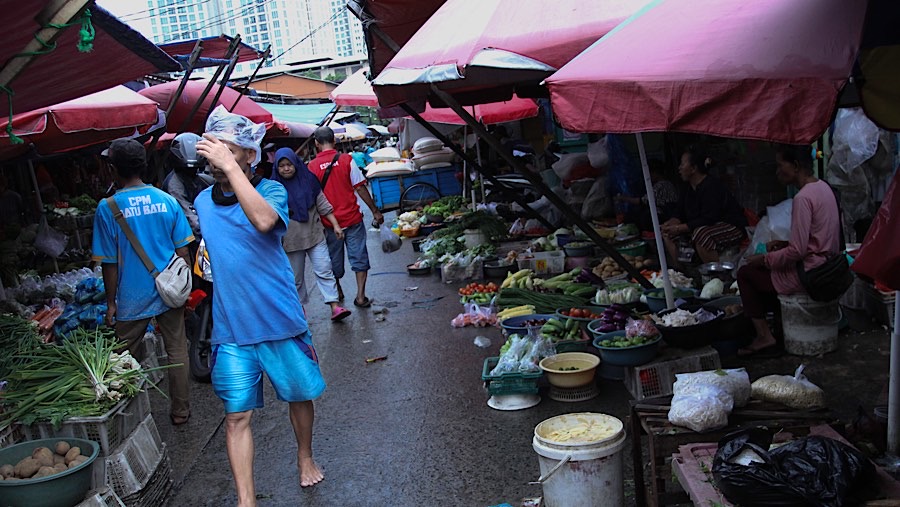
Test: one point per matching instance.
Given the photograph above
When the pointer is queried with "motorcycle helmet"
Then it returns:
(183, 151)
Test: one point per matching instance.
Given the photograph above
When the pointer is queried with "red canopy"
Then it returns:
(94, 119)
(163, 93)
(766, 69)
(356, 90)
(213, 48)
(398, 20)
(120, 54)
(482, 50)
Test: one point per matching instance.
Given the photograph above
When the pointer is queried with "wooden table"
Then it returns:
(650, 417)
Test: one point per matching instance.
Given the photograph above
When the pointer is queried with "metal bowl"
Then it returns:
(722, 270)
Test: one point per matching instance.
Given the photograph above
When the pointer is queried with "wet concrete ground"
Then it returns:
(415, 429)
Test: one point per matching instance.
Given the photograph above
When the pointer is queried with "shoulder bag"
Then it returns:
(174, 282)
(829, 281)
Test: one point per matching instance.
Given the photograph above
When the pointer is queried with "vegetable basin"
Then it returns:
(570, 369)
(625, 356)
(64, 489)
(691, 337)
(656, 298)
(518, 325)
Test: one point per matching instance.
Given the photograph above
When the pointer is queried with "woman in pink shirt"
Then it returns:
(815, 227)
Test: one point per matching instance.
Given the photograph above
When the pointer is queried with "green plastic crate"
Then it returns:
(508, 383)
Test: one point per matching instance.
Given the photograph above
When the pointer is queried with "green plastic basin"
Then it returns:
(66, 489)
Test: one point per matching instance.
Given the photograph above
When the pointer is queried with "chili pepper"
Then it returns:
(374, 359)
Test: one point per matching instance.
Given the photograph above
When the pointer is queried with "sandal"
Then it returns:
(178, 420)
(366, 302)
(339, 314)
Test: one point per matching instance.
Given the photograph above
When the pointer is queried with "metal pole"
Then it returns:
(517, 197)
(246, 86)
(893, 429)
(538, 182)
(187, 120)
(222, 85)
(654, 217)
(40, 200)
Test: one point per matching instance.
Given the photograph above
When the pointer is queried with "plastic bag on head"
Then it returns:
(236, 129)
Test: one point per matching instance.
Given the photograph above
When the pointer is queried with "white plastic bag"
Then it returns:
(390, 242)
(734, 382)
(49, 240)
(701, 408)
(597, 153)
(780, 220)
(794, 391)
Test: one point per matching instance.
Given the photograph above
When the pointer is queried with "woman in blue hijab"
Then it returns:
(305, 236)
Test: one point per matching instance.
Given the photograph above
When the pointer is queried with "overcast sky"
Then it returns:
(132, 12)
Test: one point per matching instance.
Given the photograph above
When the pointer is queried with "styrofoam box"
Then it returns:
(543, 263)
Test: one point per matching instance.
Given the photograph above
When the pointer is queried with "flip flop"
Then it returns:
(339, 314)
(365, 303)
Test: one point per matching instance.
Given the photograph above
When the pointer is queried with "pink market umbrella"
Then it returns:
(768, 70)
(484, 49)
(357, 90)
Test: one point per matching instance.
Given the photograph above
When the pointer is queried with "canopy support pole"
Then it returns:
(40, 200)
(235, 42)
(246, 86)
(57, 12)
(893, 429)
(517, 197)
(223, 84)
(538, 182)
(654, 217)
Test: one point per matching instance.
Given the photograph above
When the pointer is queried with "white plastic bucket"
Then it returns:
(474, 237)
(581, 473)
(810, 327)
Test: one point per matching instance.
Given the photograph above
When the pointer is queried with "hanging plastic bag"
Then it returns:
(879, 257)
(49, 240)
(809, 471)
(390, 242)
(794, 391)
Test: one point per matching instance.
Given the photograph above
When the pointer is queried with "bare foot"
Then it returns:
(310, 473)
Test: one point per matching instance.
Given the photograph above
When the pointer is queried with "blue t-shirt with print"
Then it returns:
(254, 296)
(160, 226)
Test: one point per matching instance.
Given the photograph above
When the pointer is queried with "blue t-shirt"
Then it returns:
(160, 226)
(254, 296)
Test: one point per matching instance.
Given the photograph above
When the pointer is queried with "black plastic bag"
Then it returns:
(812, 471)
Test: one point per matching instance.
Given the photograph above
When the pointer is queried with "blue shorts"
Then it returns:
(291, 365)
(355, 241)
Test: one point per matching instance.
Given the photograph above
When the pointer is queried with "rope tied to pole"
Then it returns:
(13, 138)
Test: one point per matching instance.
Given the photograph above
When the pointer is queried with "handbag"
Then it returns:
(173, 283)
(829, 281)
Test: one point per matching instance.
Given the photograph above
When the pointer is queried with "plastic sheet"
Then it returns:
(814, 471)
(236, 129)
(879, 257)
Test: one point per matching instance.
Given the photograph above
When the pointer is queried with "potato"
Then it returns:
(60, 467)
(44, 472)
(27, 467)
(77, 461)
(44, 456)
(639, 258)
(57, 459)
(648, 263)
(73, 453)
(7, 471)
(62, 447)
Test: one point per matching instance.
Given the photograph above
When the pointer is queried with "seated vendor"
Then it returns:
(664, 192)
(708, 214)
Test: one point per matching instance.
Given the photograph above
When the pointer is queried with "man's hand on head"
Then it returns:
(218, 155)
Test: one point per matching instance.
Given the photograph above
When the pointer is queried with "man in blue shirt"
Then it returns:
(162, 230)
(259, 321)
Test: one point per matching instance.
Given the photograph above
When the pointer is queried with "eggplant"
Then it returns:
(591, 278)
(607, 328)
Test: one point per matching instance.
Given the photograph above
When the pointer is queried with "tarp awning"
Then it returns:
(214, 48)
(79, 123)
(768, 70)
(303, 113)
(483, 50)
(119, 55)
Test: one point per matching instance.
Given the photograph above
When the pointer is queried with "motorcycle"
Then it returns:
(198, 319)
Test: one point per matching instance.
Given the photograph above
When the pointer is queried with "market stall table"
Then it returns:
(650, 417)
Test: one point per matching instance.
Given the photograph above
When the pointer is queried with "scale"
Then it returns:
(574, 394)
(509, 402)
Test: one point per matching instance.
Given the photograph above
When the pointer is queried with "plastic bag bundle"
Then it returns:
(794, 391)
(640, 327)
(509, 360)
(701, 408)
(390, 242)
(734, 382)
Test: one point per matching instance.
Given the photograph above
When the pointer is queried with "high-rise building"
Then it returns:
(298, 30)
